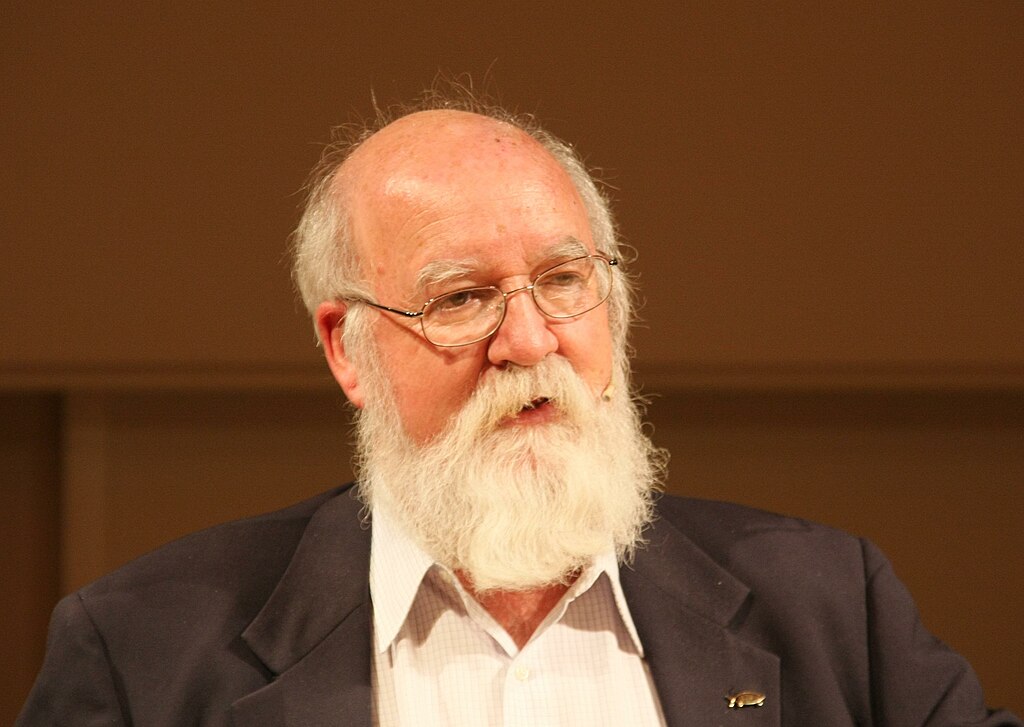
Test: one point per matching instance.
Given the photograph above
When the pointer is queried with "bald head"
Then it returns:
(433, 177)
(438, 138)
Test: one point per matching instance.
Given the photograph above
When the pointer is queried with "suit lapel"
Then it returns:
(685, 607)
(313, 634)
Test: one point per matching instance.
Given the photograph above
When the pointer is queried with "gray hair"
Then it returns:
(326, 265)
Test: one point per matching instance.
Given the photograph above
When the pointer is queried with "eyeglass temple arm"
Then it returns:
(399, 311)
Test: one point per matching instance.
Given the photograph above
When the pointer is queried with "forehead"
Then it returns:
(448, 186)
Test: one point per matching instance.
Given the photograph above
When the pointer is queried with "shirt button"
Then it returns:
(522, 673)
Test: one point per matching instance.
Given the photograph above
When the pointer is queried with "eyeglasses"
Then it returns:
(469, 315)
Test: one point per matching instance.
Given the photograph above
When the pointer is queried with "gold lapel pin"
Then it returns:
(745, 699)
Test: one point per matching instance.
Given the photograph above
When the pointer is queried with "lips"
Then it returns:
(536, 411)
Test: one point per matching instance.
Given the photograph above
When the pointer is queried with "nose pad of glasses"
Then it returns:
(529, 303)
(523, 337)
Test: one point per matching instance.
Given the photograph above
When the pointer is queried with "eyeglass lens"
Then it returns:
(566, 290)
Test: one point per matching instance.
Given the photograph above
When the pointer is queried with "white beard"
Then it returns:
(514, 506)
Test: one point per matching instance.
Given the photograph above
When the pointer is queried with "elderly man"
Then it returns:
(511, 565)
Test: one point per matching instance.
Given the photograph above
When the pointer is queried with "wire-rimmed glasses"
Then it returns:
(469, 315)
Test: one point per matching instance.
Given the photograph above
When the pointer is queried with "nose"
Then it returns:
(524, 337)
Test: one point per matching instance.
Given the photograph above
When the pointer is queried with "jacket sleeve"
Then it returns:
(76, 685)
(915, 678)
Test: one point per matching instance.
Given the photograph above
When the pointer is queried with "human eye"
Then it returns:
(568, 276)
(461, 303)
(565, 279)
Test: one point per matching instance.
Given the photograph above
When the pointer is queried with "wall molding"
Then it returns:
(652, 377)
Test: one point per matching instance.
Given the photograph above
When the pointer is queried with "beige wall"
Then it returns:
(825, 202)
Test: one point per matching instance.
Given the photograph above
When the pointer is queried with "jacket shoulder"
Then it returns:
(791, 565)
(159, 640)
(832, 609)
(723, 529)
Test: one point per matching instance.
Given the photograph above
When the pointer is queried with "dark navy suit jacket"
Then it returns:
(267, 622)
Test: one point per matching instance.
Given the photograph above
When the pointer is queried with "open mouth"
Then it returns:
(536, 403)
(536, 411)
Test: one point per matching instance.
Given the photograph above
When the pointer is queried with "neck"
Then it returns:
(518, 612)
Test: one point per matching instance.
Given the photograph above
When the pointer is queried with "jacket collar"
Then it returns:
(313, 634)
(687, 609)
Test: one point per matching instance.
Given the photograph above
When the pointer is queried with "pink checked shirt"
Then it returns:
(439, 659)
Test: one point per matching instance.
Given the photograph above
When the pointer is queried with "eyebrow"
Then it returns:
(440, 272)
(570, 247)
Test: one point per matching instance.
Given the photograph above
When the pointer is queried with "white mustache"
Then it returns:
(502, 394)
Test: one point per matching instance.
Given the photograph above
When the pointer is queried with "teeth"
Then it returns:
(536, 402)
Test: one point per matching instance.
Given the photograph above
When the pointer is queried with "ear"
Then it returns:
(330, 322)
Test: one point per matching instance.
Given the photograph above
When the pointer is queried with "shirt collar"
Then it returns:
(398, 566)
(608, 564)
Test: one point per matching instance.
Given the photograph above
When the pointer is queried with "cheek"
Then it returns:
(587, 344)
(430, 386)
